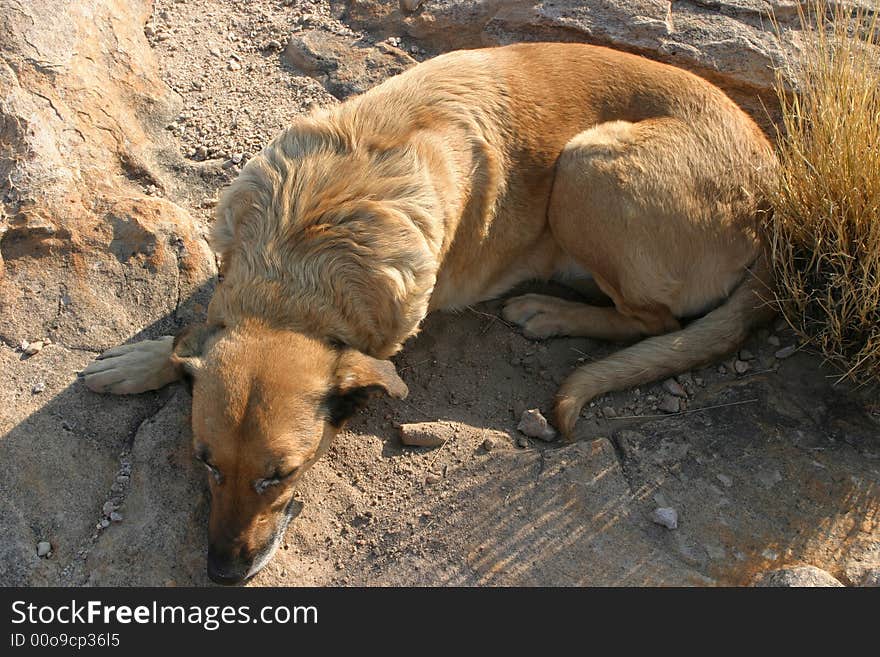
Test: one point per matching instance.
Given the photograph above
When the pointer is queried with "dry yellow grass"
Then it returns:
(825, 228)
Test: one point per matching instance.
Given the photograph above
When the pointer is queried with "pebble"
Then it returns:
(44, 548)
(724, 479)
(489, 444)
(535, 425)
(669, 404)
(38, 388)
(666, 516)
(237, 157)
(745, 354)
(233, 65)
(201, 152)
(523, 442)
(33, 348)
(108, 508)
(104, 523)
(773, 340)
(149, 30)
(674, 388)
(785, 352)
(741, 366)
(421, 434)
(215, 52)
(272, 44)
(609, 412)
(410, 5)
(433, 478)
(115, 516)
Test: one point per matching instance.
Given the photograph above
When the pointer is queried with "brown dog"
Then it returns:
(442, 187)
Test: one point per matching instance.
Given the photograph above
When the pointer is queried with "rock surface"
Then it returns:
(797, 577)
(119, 123)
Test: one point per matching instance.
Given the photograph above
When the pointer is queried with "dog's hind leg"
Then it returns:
(660, 213)
(133, 368)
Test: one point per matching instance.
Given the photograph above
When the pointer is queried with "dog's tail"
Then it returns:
(705, 340)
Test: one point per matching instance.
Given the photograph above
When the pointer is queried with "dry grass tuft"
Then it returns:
(825, 228)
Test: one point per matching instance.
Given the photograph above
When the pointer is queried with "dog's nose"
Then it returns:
(225, 570)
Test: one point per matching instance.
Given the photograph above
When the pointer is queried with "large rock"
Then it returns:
(342, 64)
(91, 252)
(84, 230)
(730, 42)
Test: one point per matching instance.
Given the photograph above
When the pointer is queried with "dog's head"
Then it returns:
(266, 405)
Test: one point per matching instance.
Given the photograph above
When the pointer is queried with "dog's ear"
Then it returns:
(357, 376)
(187, 352)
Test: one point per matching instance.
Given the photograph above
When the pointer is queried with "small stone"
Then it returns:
(233, 65)
(535, 425)
(410, 5)
(785, 352)
(609, 412)
(773, 340)
(433, 478)
(272, 44)
(149, 30)
(39, 387)
(115, 516)
(669, 404)
(741, 366)
(523, 442)
(44, 548)
(237, 158)
(33, 348)
(724, 479)
(674, 388)
(797, 577)
(108, 508)
(489, 444)
(666, 516)
(769, 479)
(201, 152)
(421, 434)
(215, 52)
(123, 478)
(745, 354)
(104, 524)
(23, 345)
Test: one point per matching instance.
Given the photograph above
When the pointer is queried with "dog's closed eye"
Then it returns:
(262, 485)
(202, 456)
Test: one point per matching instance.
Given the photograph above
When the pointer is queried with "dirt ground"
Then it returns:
(766, 462)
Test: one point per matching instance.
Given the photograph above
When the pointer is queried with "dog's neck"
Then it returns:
(333, 234)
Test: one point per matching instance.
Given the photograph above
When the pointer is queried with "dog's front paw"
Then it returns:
(132, 368)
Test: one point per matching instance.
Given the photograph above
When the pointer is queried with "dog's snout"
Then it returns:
(227, 568)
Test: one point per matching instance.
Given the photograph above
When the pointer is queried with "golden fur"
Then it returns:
(442, 187)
